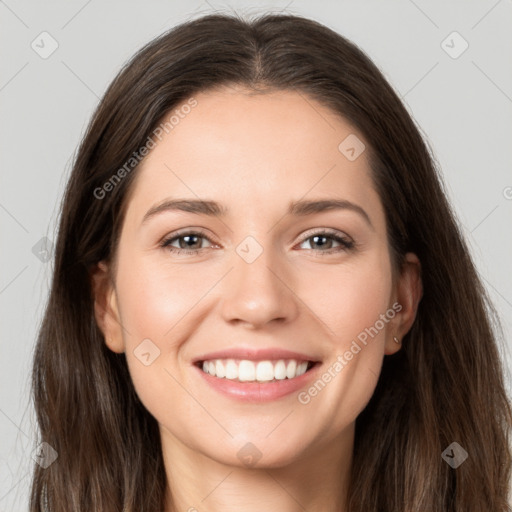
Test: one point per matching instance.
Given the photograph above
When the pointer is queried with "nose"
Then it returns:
(258, 293)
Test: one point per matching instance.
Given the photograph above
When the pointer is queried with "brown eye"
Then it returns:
(325, 241)
(188, 242)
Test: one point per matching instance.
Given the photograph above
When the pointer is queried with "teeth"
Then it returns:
(219, 369)
(280, 370)
(302, 368)
(250, 371)
(246, 371)
(291, 369)
(265, 371)
(231, 370)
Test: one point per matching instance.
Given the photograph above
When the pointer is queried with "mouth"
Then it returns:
(262, 371)
(246, 374)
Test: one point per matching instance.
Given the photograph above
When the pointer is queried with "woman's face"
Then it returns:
(280, 281)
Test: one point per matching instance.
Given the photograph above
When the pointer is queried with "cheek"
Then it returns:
(352, 301)
(155, 307)
(154, 312)
(351, 298)
(156, 299)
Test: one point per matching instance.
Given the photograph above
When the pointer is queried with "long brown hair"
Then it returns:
(446, 384)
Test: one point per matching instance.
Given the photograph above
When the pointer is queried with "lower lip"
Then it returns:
(258, 391)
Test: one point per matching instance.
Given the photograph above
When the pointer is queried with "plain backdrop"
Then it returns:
(460, 97)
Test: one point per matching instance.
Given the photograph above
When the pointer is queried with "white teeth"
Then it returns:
(265, 371)
(249, 371)
(290, 369)
(280, 370)
(246, 371)
(219, 369)
(231, 369)
(301, 369)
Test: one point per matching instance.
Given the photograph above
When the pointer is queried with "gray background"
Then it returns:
(462, 104)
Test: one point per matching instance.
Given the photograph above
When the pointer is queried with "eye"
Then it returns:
(189, 242)
(325, 239)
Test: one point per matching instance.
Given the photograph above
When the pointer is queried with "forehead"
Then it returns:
(254, 151)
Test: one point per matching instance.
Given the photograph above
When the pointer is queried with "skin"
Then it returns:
(254, 154)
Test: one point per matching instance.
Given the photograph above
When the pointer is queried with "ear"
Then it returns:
(408, 293)
(105, 307)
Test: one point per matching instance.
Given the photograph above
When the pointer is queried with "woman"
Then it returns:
(261, 297)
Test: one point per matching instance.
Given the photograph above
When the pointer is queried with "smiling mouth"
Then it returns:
(244, 370)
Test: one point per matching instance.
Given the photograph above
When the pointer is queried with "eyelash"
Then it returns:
(346, 244)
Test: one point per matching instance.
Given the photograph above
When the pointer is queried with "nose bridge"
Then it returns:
(255, 292)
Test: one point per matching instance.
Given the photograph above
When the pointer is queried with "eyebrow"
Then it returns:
(299, 208)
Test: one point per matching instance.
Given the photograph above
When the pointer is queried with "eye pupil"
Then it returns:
(316, 237)
(188, 237)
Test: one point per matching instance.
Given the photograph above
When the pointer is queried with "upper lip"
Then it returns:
(262, 354)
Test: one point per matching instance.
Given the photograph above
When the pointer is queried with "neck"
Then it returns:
(317, 480)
